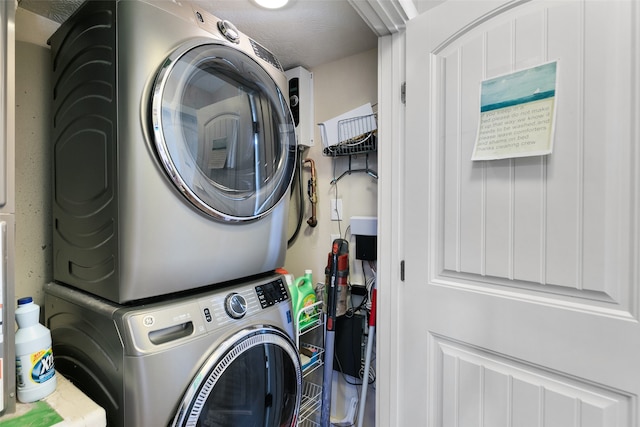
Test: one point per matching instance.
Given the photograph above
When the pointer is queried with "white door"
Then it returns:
(520, 302)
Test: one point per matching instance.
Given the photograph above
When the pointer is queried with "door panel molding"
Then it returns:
(479, 383)
(585, 301)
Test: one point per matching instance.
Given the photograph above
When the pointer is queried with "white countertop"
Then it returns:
(75, 408)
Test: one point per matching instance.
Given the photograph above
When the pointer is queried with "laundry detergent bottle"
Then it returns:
(36, 376)
(303, 296)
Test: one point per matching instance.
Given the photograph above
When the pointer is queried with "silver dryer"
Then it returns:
(174, 150)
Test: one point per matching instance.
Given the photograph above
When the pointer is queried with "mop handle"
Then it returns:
(367, 362)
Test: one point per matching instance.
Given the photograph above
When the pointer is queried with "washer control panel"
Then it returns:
(225, 307)
(272, 293)
(173, 322)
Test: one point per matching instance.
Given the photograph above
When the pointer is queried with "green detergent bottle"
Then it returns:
(303, 295)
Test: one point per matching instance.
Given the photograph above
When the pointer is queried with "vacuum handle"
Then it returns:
(372, 315)
(333, 286)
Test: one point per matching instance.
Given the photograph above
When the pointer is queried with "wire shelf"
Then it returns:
(310, 344)
(310, 318)
(315, 361)
(366, 144)
(311, 402)
(309, 423)
(356, 135)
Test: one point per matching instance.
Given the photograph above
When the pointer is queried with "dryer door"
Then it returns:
(223, 131)
(253, 379)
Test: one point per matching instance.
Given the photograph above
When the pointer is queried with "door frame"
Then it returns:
(387, 18)
(7, 202)
(391, 75)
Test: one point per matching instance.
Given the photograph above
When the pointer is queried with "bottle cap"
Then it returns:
(25, 300)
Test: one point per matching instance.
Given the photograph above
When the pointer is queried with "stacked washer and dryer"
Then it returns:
(174, 150)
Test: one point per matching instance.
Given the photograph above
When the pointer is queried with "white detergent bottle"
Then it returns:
(36, 376)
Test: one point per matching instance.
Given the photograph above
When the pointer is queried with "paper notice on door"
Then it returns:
(517, 114)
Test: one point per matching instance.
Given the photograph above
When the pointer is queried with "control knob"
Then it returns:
(235, 305)
(229, 31)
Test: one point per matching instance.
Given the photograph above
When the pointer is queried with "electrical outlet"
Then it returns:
(336, 209)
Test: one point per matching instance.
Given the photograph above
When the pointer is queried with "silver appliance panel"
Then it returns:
(123, 230)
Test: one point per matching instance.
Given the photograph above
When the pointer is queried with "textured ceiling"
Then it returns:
(306, 33)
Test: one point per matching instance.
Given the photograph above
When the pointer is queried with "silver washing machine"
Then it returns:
(174, 150)
(223, 357)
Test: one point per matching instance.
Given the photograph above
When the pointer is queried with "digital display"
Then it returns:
(262, 53)
(271, 293)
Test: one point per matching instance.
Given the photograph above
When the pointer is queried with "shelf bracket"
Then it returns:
(349, 171)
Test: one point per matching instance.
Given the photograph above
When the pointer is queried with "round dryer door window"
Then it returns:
(253, 380)
(223, 132)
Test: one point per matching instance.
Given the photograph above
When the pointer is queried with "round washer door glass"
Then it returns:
(255, 381)
(223, 132)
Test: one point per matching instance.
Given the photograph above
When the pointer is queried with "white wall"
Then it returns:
(33, 155)
(339, 87)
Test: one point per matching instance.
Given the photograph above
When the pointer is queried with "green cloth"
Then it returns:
(41, 415)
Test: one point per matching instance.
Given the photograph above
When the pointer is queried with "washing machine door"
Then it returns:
(223, 131)
(253, 379)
